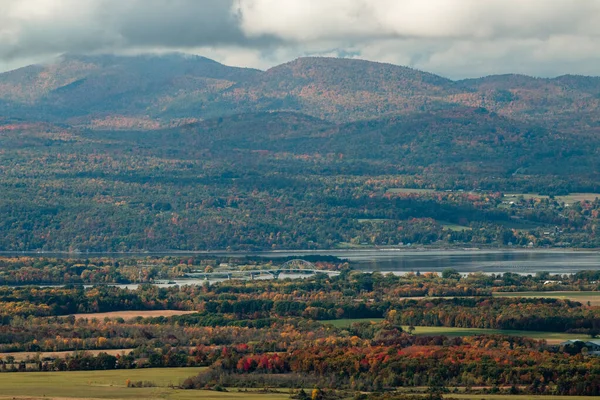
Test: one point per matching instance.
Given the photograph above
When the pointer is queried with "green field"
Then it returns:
(453, 227)
(345, 323)
(552, 337)
(111, 385)
(569, 199)
(409, 190)
(582, 297)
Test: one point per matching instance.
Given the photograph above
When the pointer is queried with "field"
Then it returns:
(21, 356)
(582, 297)
(551, 337)
(409, 190)
(345, 323)
(453, 227)
(568, 199)
(111, 385)
(132, 314)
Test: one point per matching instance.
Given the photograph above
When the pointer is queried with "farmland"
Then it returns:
(30, 355)
(583, 297)
(346, 323)
(132, 314)
(550, 337)
(95, 384)
(569, 199)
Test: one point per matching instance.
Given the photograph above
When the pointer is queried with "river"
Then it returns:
(404, 260)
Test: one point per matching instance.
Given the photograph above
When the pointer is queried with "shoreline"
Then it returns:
(318, 252)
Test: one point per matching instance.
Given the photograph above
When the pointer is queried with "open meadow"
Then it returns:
(346, 323)
(112, 385)
(25, 355)
(550, 337)
(568, 199)
(583, 297)
(133, 314)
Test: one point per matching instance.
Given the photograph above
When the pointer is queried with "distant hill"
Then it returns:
(459, 140)
(122, 92)
(95, 86)
(567, 102)
(342, 89)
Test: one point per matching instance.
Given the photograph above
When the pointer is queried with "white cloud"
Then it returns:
(476, 19)
(455, 38)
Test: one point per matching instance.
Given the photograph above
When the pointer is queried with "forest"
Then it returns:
(151, 153)
(204, 188)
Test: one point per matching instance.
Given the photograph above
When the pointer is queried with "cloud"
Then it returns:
(452, 37)
(49, 26)
(303, 20)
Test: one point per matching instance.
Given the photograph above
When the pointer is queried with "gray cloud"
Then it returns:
(29, 27)
(456, 38)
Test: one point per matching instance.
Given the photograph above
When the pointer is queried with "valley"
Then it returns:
(152, 204)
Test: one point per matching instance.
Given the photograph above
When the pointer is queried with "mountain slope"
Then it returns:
(460, 139)
(133, 91)
(455, 141)
(342, 89)
(104, 85)
(566, 102)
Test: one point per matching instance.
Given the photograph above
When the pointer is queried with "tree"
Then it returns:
(317, 394)
(450, 273)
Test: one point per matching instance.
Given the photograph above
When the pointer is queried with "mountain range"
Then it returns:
(144, 91)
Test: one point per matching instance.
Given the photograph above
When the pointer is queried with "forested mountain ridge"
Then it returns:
(92, 87)
(286, 180)
(83, 89)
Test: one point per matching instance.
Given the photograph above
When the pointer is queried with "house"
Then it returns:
(571, 342)
(593, 346)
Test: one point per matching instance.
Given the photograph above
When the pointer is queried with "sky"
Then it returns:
(453, 38)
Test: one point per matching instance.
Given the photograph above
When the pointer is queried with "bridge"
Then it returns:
(298, 267)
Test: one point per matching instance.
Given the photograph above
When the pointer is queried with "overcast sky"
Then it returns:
(454, 38)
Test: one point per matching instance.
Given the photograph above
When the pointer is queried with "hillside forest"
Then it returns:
(150, 153)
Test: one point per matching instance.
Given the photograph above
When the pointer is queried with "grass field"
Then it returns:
(409, 190)
(132, 314)
(551, 337)
(111, 385)
(345, 323)
(569, 199)
(453, 227)
(582, 297)
(60, 354)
